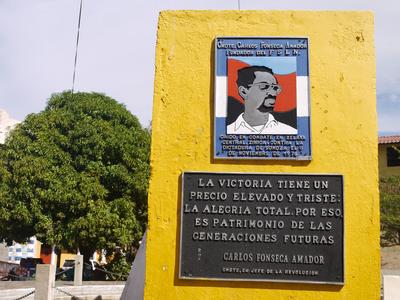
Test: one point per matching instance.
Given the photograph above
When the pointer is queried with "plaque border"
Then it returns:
(336, 283)
(298, 158)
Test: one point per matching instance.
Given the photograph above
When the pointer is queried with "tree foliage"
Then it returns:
(76, 175)
(390, 210)
(118, 267)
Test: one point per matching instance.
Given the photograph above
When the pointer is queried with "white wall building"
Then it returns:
(18, 251)
(6, 124)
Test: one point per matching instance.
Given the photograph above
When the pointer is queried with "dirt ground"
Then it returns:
(390, 258)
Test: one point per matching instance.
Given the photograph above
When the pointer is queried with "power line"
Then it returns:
(76, 46)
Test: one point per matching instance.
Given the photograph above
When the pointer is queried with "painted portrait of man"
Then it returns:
(262, 98)
(258, 88)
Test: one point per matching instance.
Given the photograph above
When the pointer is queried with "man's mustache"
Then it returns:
(269, 108)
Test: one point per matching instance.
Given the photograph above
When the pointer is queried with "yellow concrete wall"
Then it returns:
(344, 141)
(384, 170)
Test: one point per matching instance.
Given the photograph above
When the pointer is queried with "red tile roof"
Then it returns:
(390, 139)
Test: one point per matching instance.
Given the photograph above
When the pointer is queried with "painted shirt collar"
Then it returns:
(241, 122)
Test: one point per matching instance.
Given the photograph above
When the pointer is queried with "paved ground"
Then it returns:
(390, 258)
(8, 285)
(64, 290)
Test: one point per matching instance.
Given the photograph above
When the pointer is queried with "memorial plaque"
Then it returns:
(262, 227)
(262, 98)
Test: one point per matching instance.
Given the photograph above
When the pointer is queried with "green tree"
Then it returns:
(390, 210)
(76, 175)
(118, 267)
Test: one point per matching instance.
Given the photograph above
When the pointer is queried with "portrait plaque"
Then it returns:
(262, 98)
(262, 227)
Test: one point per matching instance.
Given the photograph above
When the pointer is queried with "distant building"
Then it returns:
(3, 252)
(389, 155)
(6, 124)
(18, 251)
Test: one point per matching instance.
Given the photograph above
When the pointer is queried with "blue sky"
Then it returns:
(116, 54)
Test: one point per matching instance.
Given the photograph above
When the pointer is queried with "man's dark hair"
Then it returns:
(246, 75)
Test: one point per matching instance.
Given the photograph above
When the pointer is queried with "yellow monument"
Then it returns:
(288, 184)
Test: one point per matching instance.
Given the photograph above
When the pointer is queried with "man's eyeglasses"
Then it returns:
(268, 87)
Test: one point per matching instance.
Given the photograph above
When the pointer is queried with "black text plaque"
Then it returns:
(262, 227)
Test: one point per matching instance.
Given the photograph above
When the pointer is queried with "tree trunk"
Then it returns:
(87, 253)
